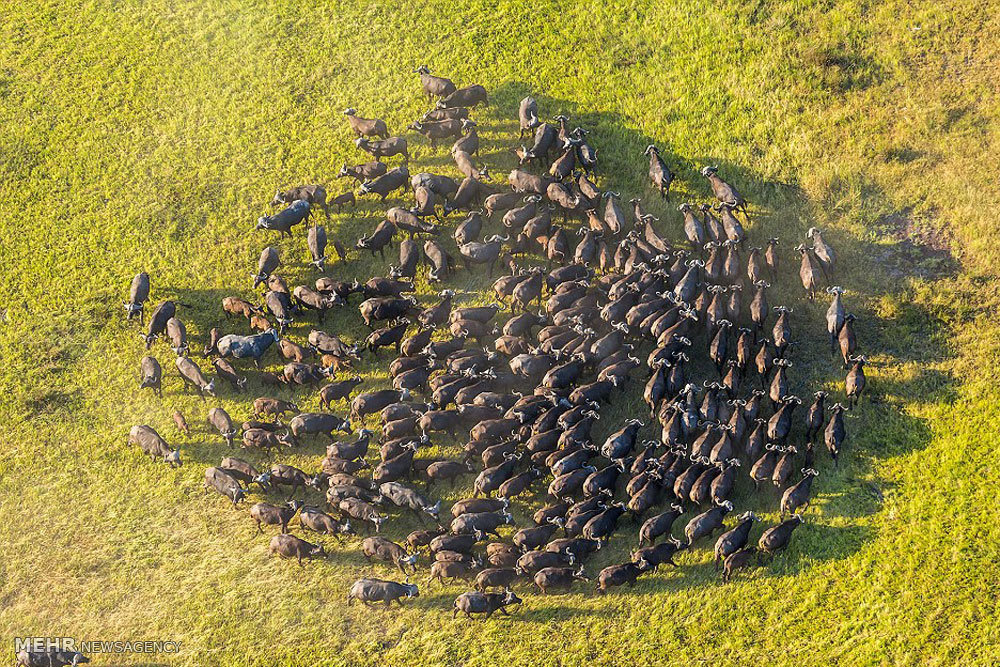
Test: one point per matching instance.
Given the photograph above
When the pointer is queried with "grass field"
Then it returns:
(150, 136)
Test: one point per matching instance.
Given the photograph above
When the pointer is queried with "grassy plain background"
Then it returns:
(149, 135)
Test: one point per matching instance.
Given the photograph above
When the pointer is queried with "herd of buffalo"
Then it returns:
(598, 300)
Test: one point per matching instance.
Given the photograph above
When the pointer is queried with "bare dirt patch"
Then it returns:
(918, 248)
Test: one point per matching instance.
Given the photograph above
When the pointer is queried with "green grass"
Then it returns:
(150, 135)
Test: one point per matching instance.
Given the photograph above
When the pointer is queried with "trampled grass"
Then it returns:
(150, 135)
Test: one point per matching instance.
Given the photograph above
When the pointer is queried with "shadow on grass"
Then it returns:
(782, 210)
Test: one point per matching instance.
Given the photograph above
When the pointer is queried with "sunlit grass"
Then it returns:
(150, 135)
